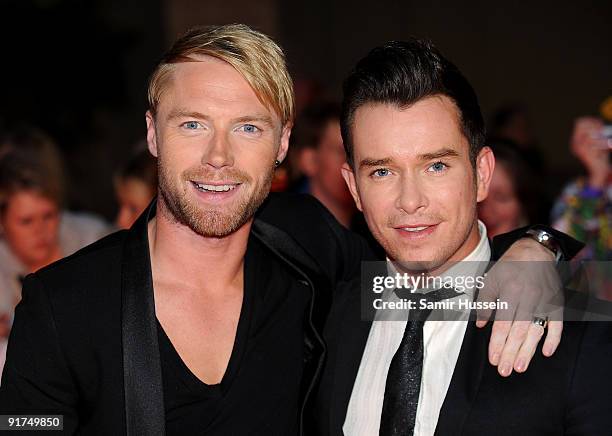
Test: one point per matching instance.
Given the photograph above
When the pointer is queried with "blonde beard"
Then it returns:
(210, 223)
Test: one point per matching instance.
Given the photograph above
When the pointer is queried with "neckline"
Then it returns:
(178, 365)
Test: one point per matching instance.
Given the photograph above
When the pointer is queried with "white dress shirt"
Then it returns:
(442, 344)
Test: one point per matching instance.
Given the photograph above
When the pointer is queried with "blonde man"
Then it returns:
(203, 318)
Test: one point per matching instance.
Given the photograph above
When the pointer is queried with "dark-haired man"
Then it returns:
(417, 167)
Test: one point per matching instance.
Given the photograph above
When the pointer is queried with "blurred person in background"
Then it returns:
(584, 209)
(318, 143)
(512, 122)
(34, 229)
(319, 153)
(289, 174)
(513, 199)
(135, 187)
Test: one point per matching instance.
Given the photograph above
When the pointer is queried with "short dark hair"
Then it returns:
(402, 73)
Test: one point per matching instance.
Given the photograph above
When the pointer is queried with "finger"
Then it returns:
(483, 315)
(528, 349)
(516, 338)
(553, 337)
(499, 333)
(488, 294)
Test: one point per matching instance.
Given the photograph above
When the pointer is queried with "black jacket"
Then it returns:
(568, 393)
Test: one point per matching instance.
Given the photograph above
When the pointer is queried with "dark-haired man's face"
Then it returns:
(414, 181)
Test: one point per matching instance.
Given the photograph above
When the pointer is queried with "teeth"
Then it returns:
(214, 188)
(414, 229)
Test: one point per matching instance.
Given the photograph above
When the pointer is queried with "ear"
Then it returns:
(349, 178)
(151, 133)
(284, 142)
(485, 165)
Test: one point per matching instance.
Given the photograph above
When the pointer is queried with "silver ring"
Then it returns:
(543, 322)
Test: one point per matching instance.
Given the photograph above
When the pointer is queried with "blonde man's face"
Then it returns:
(216, 144)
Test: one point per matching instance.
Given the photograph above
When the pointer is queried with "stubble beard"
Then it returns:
(439, 255)
(211, 222)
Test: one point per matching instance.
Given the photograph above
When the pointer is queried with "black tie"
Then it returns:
(404, 377)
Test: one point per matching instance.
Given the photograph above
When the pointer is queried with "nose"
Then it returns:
(218, 152)
(412, 197)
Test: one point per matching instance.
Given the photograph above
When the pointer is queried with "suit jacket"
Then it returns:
(568, 393)
(84, 341)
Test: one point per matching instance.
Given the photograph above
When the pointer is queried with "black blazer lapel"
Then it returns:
(466, 378)
(465, 381)
(142, 376)
(287, 249)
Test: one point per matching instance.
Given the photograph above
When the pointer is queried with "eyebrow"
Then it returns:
(184, 113)
(368, 162)
(261, 118)
(443, 152)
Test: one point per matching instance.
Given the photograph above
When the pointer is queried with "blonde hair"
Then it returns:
(254, 55)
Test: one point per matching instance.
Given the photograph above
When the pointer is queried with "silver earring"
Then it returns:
(277, 163)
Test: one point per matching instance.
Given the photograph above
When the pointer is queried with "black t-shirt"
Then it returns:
(259, 392)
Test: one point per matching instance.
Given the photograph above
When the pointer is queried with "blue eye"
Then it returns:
(438, 167)
(381, 172)
(191, 125)
(250, 128)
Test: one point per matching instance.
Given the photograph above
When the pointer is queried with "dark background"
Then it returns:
(79, 69)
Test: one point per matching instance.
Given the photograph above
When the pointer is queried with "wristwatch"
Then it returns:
(547, 240)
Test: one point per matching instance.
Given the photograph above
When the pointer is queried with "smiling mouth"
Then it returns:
(414, 229)
(418, 230)
(205, 187)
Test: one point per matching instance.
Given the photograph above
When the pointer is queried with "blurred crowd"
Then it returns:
(37, 226)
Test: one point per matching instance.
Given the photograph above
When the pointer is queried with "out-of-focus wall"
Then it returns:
(180, 15)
